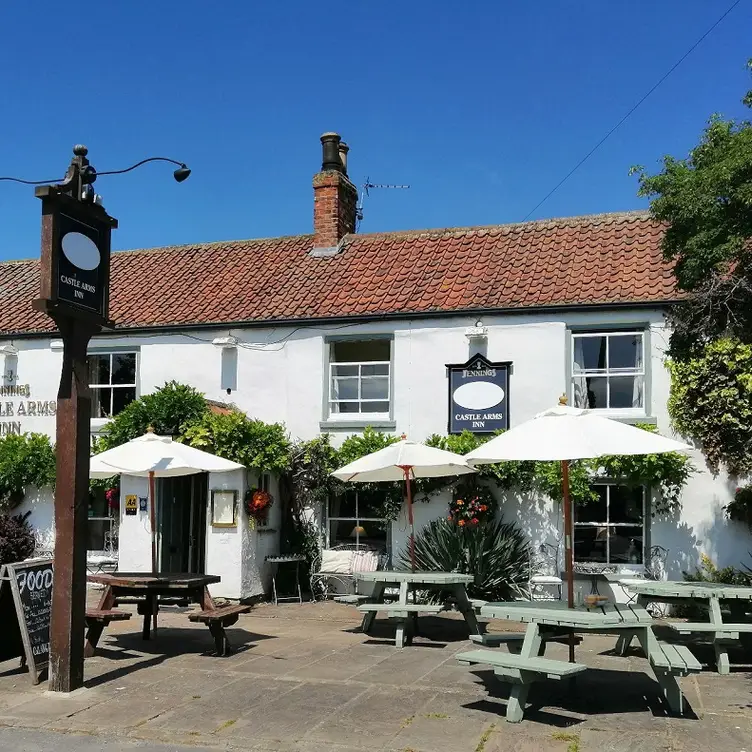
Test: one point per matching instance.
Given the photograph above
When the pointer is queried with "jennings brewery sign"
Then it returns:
(478, 396)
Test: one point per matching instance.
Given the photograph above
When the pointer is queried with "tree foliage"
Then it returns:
(264, 447)
(711, 400)
(16, 538)
(25, 460)
(705, 200)
(169, 411)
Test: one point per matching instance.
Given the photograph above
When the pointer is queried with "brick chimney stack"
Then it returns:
(335, 198)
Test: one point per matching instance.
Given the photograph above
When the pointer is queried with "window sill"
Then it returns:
(356, 423)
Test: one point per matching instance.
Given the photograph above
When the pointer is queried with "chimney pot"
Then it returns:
(343, 149)
(330, 143)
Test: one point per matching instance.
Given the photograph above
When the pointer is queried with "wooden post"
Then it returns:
(153, 522)
(73, 436)
(410, 516)
(568, 564)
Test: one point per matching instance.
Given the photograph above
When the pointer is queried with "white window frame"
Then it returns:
(608, 373)
(357, 521)
(607, 524)
(111, 387)
(362, 415)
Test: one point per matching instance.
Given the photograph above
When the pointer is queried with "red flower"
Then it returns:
(475, 520)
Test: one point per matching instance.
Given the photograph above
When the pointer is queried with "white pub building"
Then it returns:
(335, 331)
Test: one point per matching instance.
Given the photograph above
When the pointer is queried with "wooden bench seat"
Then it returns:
(514, 640)
(729, 631)
(405, 615)
(96, 621)
(520, 673)
(672, 660)
(217, 619)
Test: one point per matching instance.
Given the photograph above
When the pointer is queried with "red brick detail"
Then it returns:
(605, 259)
(335, 201)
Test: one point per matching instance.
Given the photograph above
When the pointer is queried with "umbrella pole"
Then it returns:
(410, 517)
(153, 520)
(568, 545)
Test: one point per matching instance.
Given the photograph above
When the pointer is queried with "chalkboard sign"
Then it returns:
(25, 606)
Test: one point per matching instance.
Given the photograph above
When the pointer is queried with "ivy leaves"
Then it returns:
(711, 401)
(25, 460)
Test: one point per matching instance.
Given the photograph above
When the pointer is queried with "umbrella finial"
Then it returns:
(563, 399)
(150, 429)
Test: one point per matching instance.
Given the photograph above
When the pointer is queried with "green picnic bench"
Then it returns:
(672, 660)
(520, 672)
(217, 619)
(514, 640)
(404, 615)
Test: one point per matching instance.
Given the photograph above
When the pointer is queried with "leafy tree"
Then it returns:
(705, 200)
(169, 410)
(25, 460)
(16, 538)
(264, 447)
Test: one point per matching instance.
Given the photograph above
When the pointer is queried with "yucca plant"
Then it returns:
(496, 553)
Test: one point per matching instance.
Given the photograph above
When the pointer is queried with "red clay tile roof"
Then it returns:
(601, 259)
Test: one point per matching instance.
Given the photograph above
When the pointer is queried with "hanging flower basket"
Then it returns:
(471, 506)
(257, 503)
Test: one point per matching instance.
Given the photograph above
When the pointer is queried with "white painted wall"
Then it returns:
(134, 544)
(224, 545)
(280, 377)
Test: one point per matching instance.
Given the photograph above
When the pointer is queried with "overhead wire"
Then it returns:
(631, 111)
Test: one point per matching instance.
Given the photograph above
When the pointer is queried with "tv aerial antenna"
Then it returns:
(366, 191)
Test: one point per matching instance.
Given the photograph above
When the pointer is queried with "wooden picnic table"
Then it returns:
(146, 589)
(406, 614)
(548, 621)
(712, 595)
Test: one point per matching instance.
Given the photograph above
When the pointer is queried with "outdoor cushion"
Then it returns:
(336, 562)
(365, 561)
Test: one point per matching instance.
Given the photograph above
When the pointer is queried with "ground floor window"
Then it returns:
(353, 517)
(102, 534)
(611, 530)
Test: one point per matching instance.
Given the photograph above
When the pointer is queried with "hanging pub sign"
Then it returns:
(478, 396)
(75, 258)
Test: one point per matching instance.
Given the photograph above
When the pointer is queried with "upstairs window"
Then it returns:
(360, 378)
(112, 380)
(608, 370)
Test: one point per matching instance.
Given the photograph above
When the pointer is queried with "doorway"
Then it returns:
(181, 522)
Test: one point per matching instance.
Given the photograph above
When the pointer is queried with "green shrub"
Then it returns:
(25, 460)
(16, 538)
(497, 554)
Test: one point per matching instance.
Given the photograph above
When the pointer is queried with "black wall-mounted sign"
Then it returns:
(25, 608)
(478, 396)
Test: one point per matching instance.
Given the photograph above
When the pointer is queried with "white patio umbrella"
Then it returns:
(153, 456)
(567, 433)
(404, 460)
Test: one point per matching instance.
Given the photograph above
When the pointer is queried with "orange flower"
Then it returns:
(461, 523)
(460, 502)
(483, 508)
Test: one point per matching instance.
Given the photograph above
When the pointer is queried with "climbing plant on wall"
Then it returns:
(25, 460)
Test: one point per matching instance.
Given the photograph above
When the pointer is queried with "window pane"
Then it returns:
(95, 534)
(122, 397)
(379, 370)
(593, 511)
(376, 387)
(343, 506)
(625, 351)
(590, 543)
(626, 391)
(99, 369)
(339, 531)
(626, 504)
(626, 545)
(346, 407)
(370, 503)
(590, 353)
(375, 407)
(597, 394)
(100, 402)
(345, 389)
(345, 370)
(355, 351)
(124, 368)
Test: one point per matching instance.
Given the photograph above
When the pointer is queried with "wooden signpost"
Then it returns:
(25, 608)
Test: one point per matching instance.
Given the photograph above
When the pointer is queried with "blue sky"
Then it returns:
(482, 108)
